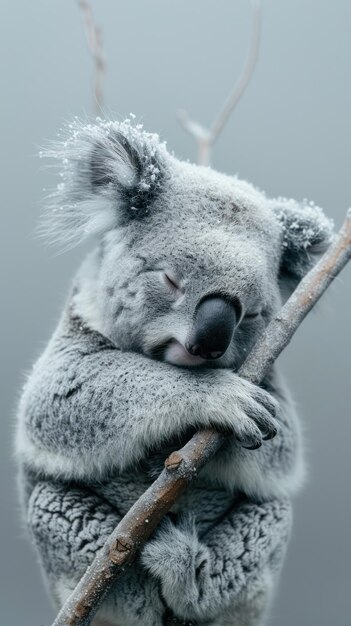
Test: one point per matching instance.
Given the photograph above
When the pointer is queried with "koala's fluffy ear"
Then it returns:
(110, 173)
(306, 233)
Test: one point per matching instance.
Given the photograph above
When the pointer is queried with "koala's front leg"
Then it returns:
(69, 525)
(230, 570)
(88, 406)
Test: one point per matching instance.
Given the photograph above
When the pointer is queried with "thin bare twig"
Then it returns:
(204, 137)
(95, 44)
(182, 466)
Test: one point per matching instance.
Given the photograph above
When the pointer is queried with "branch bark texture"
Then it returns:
(183, 465)
(206, 137)
(94, 39)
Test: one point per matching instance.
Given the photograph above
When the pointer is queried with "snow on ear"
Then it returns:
(306, 233)
(110, 173)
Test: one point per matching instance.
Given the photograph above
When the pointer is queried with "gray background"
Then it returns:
(290, 135)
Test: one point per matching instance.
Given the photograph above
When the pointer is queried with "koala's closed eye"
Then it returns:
(252, 316)
(171, 281)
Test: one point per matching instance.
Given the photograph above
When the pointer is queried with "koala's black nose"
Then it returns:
(214, 324)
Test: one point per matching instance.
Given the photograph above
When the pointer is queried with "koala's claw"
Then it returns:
(248, 435)
(267, 426)
(270, 434)
(200, 567)
(264, 412)
(254, 446)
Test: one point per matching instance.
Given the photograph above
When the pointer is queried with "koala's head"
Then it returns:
(190, 264)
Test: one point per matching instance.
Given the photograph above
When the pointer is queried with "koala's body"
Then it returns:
(188, 270)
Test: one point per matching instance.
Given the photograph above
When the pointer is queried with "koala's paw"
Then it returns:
(249, 414)
(181, 563)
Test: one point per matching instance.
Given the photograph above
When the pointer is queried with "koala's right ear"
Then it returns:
(110, 174)
(306, 233)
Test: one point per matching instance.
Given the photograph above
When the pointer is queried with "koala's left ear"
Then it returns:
(306, 233)
(110, 174)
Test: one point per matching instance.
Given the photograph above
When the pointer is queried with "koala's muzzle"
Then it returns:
(214, 324)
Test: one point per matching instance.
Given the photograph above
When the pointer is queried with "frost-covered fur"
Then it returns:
(115, 390)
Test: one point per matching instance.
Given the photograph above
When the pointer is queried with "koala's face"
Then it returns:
(191, 262)
(194, 282)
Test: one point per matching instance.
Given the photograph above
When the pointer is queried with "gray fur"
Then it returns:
(106, 403)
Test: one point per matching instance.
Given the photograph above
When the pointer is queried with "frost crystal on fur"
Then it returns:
(306, 232)
(104, 167)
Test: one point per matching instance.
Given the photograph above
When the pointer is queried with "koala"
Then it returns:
(188, 268)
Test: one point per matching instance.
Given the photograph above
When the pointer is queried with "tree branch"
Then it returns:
(94, 39)
(183, 465)
(204, 137)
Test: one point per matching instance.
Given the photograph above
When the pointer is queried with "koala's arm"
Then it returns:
(89, 407)
(68, 525)
(232, 568)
